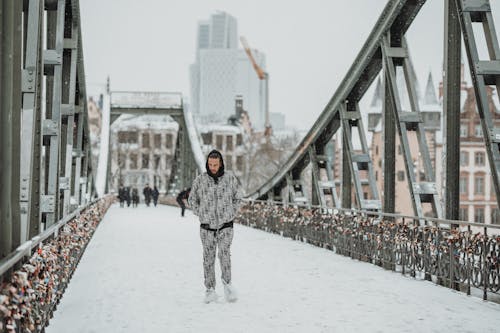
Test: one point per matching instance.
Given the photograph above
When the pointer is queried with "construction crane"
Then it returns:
(263, 77)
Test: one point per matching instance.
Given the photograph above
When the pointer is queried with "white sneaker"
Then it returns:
(210, 296)
(230, 293)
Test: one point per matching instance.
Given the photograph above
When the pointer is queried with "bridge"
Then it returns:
(54, 198)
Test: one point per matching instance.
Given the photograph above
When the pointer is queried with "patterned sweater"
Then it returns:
(215, 204)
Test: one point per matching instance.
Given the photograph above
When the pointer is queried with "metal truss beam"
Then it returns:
(395, 53)
(10, 104)
(322, 189)
(358, 161)
(483, 74)
(31, 116)
(451, 108)
(44, 144)
(396, 16)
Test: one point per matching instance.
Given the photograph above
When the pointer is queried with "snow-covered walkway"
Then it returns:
(142, 272)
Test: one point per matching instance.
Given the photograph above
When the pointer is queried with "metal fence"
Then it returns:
(36, 275)
(456, 254)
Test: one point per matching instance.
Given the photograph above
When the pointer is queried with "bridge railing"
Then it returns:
(35, 275)
(457, 254)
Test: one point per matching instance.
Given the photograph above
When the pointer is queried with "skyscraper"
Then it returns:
(221, 71)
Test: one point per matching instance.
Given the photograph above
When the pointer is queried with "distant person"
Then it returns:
(121, 196)
(127, 195)
(215, 198)
(135, 197)
(147, 194)
(155, 194)
(183, 195)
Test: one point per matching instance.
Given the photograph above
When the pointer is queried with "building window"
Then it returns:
(121, 160)
(218, 142)
(157, 140)
(127, 137)
(145, 161)
(495, 216)
(463, 185)
(169, 141)
(478, 185)
(239, 140)
(229, 142)
(133, 161)
(239, 163)
(401, 176)
(380, 163)
(207, 138)
(122, 137)
(376, 175)
(479, 215)
(478, 131)
(463, 214)
(422, 176)
(376, 150)
(145, 140)
(157, 159)
(479, 158)
(463, 130)
(365, 195)
(229, 162)
(464, 158)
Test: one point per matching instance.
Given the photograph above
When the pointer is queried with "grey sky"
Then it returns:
(309, 45)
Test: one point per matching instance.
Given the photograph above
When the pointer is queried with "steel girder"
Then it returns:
(483, 73)
(55, 132)
(395, 53)
(321, 162)
(451, 108)
(396, 17)
(10, 104)
(65, 127)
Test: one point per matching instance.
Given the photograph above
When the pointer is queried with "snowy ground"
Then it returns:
(142, 272)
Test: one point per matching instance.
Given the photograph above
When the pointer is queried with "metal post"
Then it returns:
(10, 106)
(389, 148)
(55, 39)
(451, 108)
(346, 174)
(69, 93)
(31, 145)
(79, 154)
(485, 265)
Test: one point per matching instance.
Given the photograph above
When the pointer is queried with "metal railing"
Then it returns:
(457, 254)
(43, 268)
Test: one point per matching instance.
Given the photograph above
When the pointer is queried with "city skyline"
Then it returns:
(222, 71)
(309, 46)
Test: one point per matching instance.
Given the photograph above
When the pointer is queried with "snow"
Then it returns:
(220, 128)
(142, 272)
(154, 122)
(152, 100)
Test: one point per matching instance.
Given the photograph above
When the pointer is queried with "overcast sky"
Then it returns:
(148, 45)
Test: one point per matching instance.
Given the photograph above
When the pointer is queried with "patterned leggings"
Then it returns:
(210, 240)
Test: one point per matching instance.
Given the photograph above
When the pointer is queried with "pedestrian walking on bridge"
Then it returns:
(215, 198)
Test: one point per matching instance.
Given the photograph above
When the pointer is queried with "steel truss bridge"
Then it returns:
(46, 171)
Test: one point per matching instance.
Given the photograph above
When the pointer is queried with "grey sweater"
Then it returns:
(215, 204)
